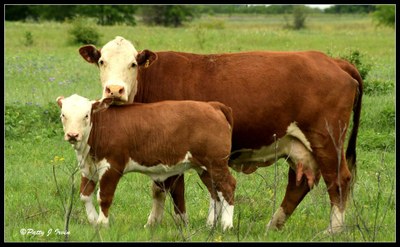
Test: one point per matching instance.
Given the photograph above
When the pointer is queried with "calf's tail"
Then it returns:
(226, 110)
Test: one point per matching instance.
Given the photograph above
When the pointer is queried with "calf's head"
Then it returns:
(76, 115)
(118, 62)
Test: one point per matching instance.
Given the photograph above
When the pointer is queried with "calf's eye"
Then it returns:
(133, 65)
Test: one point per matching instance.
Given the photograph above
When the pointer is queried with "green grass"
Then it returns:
(36, 74)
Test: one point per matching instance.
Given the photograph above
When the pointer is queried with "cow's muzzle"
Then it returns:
(72, 137)
(115, 91)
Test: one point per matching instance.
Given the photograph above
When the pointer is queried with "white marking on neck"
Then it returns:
(82, 148)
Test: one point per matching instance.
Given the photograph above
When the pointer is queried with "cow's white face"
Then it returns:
(75, 117)
(119, 69)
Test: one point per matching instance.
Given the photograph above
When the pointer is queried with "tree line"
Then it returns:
(166, 15)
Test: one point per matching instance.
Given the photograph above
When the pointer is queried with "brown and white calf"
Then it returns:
(160, 139)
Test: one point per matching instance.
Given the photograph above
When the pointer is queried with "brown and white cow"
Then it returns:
(271, 95)
(160, 140)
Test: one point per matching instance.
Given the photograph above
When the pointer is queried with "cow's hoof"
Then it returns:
(181, 219)
(334, 230)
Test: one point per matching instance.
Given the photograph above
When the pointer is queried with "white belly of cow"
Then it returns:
(294, 145)
(160, 172)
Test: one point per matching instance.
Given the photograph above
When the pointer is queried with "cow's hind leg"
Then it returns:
(215, 205)
(86, 195)
(157, 210)
(295, 192)
(176, 187)
(221, 185)
(338, 184)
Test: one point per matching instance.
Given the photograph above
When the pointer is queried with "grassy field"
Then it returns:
(39, 164)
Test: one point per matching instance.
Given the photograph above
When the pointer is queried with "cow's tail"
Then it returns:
(351, 146)
(226, 110)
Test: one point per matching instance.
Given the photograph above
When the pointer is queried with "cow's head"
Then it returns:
(76, 114)
(118, 62)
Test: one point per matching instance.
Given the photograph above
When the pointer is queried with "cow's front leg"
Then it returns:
(176, 187)
(86, 195)
(105, 195)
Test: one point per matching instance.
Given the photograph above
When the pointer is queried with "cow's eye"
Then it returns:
(101, 62)
(133, 65)
(62, 116)
(87, 116)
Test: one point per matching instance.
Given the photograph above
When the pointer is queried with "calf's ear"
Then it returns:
(59, 101)
(146, 58)
(90, 53)
(102, 104)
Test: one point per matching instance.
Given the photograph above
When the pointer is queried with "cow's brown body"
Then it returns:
(268, 91)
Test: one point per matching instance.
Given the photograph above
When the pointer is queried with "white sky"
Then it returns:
(320, 6)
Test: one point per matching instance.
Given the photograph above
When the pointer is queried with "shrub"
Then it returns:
(32, 121)
(371, 87)
(83, 31)
(28, 39)
(355, 58)
(299, 18)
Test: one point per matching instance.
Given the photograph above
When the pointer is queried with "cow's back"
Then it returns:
(266, 90)
(161, 132)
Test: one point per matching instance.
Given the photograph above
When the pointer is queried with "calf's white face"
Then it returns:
(75, 117)
(119, 69)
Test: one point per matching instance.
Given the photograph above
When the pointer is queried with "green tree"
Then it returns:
(349, 9)
(385, 15)
(55, 12)
(18, 12)
(166, 15)
(109, 14)
(104, 14)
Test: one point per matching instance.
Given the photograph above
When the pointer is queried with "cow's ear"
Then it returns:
(90, 53)
(102, 104)
(146, 58)
(59, 101)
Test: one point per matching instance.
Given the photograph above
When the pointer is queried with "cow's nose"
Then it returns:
(114, 91)
(72, 136)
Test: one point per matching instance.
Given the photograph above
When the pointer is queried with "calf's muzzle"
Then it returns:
(72, 137)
